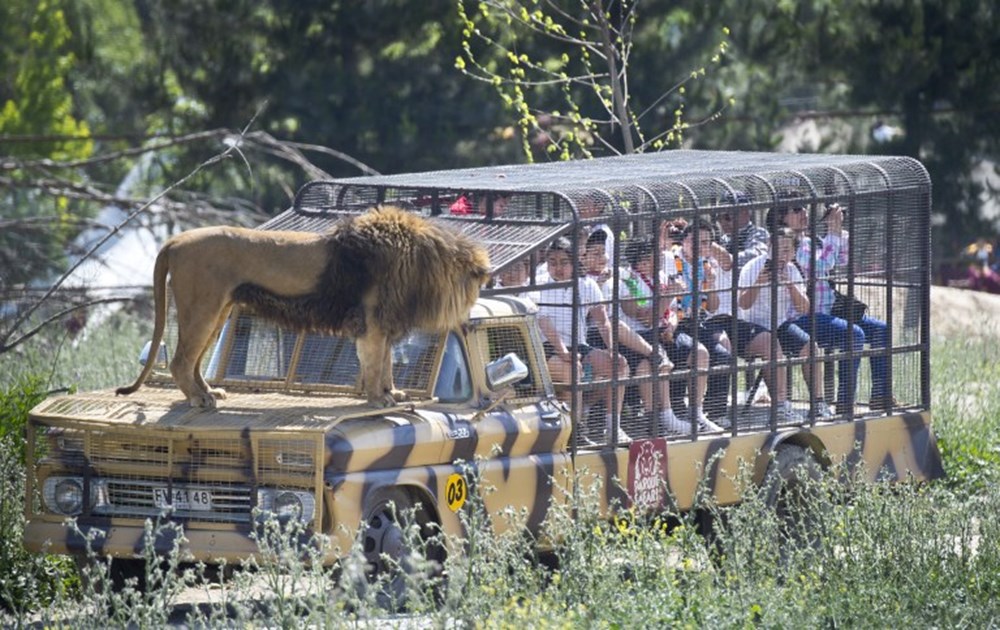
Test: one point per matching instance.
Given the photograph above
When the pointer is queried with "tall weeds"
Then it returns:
(878, 555)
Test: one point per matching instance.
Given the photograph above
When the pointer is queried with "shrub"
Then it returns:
(26, 580)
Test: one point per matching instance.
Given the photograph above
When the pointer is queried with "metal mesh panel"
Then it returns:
(516, 211)
(209, 478)
(108, 447)
(286, 462)
(502, 339)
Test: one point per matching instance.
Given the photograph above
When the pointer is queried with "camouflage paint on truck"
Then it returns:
(295, 439)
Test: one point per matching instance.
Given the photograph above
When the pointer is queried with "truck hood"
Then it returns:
(166, 409)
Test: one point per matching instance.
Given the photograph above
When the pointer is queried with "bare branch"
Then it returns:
(12, 164)
(115, 230)
(361, 166)
(5, 347)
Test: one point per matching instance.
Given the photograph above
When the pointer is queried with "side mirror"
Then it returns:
(505, 371)
(161, 355)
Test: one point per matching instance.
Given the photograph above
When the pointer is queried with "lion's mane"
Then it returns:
(417, 275)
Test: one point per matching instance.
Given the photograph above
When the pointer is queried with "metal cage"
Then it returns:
(517, 211)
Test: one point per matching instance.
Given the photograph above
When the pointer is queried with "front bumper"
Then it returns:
(128, 541)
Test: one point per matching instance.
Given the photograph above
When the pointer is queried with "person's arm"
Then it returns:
(750, 287)
(792, 281)
(722, 254)
(600, 318)
(630, 303)
(548, 328)
(712, 281)
(757, 244)
(632, 340)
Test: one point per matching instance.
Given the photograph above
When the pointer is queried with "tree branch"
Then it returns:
(23, 317)
(5, 347)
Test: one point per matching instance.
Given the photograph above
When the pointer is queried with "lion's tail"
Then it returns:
(160, 306)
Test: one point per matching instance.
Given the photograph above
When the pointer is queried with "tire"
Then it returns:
(120, 571)
(791, 490)
(388, 553)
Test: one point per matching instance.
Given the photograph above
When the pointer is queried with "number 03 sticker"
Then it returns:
(456, 491)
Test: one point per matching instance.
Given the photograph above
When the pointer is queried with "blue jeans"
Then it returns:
(831, 334)
(877, 334)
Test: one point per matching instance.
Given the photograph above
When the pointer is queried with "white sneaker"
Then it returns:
(704, 424)
(788, 414)
(622, 436)
(823, 410)
(670, 424)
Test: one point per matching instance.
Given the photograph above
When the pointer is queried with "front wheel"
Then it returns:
(400, 546)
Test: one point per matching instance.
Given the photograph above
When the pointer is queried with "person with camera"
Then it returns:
(778, 272)
(831, 331)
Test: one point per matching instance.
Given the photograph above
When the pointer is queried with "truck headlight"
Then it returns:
(64, 495)
(69, 496)
(287, 504)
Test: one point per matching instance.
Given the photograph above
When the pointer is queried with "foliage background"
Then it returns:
(377, 80)
(89, 88)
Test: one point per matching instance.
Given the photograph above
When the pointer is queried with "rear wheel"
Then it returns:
(395, 557)
(791, 489)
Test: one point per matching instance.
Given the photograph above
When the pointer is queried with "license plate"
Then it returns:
(191, 499)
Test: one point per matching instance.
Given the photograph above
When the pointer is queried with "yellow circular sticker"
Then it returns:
(456, 491)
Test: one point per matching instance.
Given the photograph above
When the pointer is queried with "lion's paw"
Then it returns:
(218, 393)
(388, 399)
(204, 401)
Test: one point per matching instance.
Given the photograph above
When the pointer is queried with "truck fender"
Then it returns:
(803, 438)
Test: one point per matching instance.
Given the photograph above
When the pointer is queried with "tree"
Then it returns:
(36, 103)
(373, 80)
(933, 66)
(564, 68)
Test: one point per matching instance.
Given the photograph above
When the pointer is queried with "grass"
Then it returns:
(99, 357)
(900, 555)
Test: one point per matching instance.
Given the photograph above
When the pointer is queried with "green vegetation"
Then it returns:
(873, 556)
(966, 404)
(378, 83)
(27, 581)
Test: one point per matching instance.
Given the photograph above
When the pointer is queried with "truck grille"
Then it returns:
(135, 499)
(184, 475)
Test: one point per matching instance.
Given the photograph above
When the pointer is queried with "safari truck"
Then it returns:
(296, 440)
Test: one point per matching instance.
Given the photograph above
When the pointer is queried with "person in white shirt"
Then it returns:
(758, 278)
(590, 208)
(556, 320)
(751, 341)
(517, 274)
(635, 290)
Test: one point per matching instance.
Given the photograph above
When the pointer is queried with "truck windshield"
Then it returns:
(260, 351)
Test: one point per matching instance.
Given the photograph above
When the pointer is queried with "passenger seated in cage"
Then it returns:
(638, 342)
(478, 203)
(752, 341)
(737, 225)
(703, 272)
(831, 331)
(591, 208)
(518, 274)
(556, 317)
(755, 306)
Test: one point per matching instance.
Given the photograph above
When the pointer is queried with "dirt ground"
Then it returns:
(962, 312)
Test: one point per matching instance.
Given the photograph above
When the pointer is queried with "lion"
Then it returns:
(374, 278)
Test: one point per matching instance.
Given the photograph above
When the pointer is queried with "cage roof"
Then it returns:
(543, 200)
